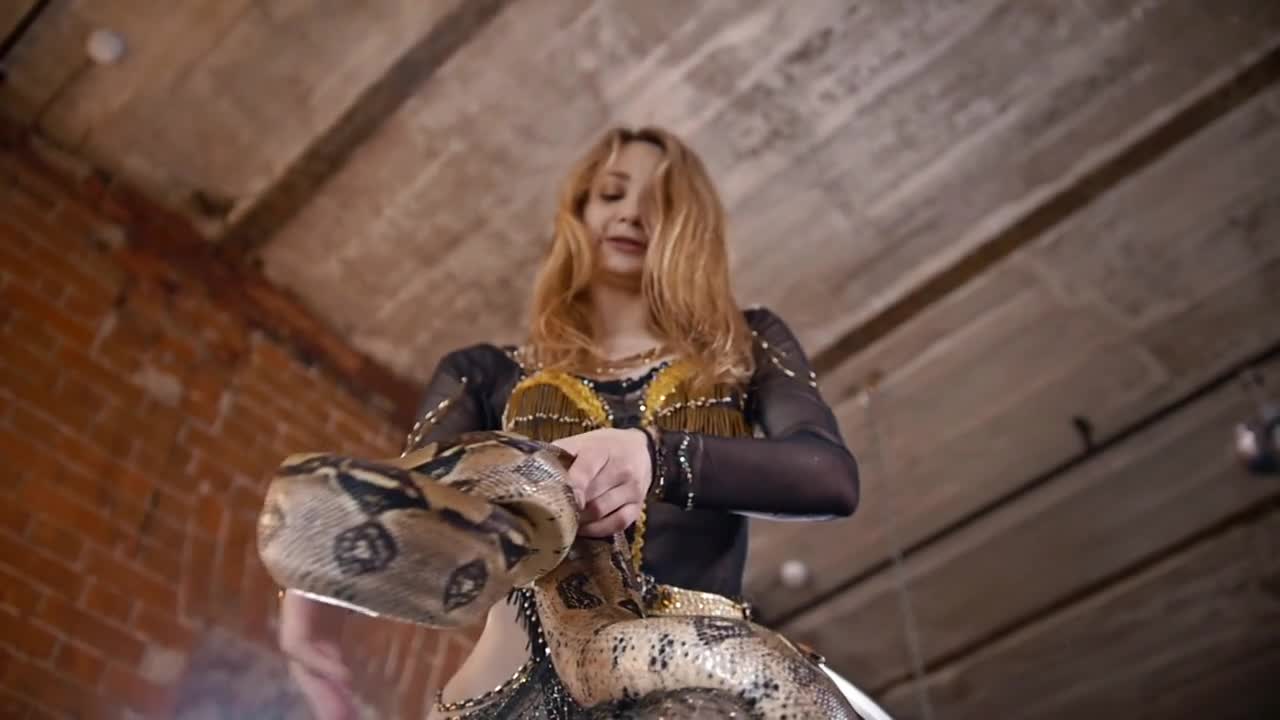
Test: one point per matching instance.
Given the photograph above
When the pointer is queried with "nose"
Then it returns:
(629, 211)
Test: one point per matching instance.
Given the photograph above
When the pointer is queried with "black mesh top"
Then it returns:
(796, 465)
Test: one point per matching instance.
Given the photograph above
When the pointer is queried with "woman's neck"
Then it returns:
(620, 321)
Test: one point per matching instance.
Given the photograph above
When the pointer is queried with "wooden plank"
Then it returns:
(213, 100)
(980, 398)
(40, 65)
(11, 14)
(1194, 635)
(363, 117)
(968, 152)
(1093, 523)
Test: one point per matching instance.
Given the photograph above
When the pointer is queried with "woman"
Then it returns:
(684, 412)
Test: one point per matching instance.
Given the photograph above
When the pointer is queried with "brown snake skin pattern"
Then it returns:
(438, 536)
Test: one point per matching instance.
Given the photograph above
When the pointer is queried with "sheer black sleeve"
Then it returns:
(801, 468)
(457, 397)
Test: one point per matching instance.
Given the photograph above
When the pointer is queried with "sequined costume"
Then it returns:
(770, 448)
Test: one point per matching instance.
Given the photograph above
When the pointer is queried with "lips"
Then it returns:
(631, 246)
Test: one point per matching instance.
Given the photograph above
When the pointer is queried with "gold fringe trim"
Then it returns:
(551, 405)
(668, 405)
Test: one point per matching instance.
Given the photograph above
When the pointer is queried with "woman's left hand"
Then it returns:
(610, 478)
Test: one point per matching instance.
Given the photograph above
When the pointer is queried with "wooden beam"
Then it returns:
(994, 445)
(15, 20)
(162, 244)
(1094, 524)
(1194, 634)
(362, 119)
(1214, 105)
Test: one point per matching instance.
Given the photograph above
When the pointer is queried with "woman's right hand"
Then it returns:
(309, 637)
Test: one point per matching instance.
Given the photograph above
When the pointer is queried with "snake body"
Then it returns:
(437, 536)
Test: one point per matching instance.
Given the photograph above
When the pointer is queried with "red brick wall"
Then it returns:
(138, 418)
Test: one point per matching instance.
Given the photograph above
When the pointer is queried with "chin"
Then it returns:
(620, 264)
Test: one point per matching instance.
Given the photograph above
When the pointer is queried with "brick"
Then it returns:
(108, 602)
(58, 541)
(31, 639)
(120, 359)
(109, 489)
(115, 439)
(81, 664)
(86, 306)
(34, 188)
(120, 574)
(13, 707)
(69, 511)
(247, 428)
(211, 446)
(89, 275)
(209, 515)
(260, 599)
(159, 627)
(75, 361)
(170, 462)
(28, 366)
(61, 696)
(176, 351)
(13, 517)
(297, 408)
(37, 427)
(211, 475)
(17, 595)
(159, 559)
(91, 631)
(197, 578)
(29, 332)
(45, 569)
(154, 423)
(245, 502)
(130, 689)
(203, 396)
(229, 574)
(72, 331)
(15, 253)
(28, 458)
(80, 404)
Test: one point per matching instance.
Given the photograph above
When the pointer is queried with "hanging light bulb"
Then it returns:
(105, 47)
(793, 573)
(1257, 441)
(1257, 444)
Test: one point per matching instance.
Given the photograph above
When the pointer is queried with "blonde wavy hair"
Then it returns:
(685, 280)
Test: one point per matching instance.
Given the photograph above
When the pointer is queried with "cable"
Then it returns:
(910, 627)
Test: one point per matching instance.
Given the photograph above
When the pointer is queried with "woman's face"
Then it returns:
(612, 212)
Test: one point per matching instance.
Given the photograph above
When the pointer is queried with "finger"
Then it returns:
(608, 476)
(322, 659)
(605, 503)
(584, 473)
(616, 522)
(328, 700)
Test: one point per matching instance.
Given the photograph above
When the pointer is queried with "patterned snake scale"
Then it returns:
(439, 535)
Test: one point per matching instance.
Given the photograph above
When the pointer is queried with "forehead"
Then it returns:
(637, 160)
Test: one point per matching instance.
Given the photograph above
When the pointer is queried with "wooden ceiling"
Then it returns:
(1049, 228)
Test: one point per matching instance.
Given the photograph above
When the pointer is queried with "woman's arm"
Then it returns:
(801, 468)
(454, 400)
